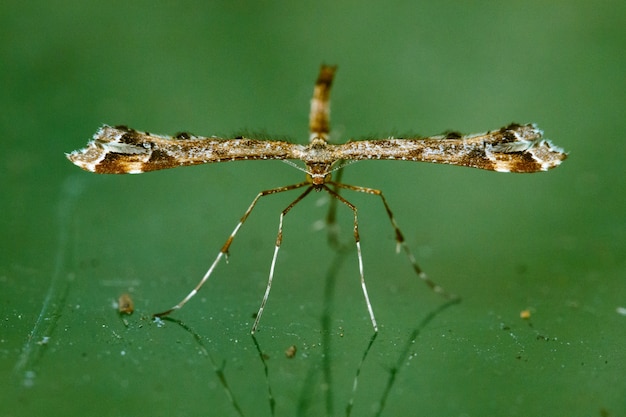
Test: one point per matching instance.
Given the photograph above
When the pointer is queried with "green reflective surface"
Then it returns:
(550, 243)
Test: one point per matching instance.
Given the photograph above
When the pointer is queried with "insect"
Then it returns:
(121, 150)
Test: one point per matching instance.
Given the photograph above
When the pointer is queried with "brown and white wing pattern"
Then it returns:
(120, 150)
(514, 148)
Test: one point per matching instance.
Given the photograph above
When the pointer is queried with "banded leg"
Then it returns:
(279, 241)
(357, 240)
(401, 243)
(224, 251)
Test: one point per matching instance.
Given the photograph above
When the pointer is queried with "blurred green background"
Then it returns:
(72, 242)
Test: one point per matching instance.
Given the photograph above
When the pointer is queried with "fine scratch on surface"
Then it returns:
(58, 288)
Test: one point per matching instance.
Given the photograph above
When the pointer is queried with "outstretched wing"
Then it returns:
(120, 150)
(514, 148)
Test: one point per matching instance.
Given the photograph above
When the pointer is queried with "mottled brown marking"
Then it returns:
(114, 163)
(131, 138)
(453, 135)
(476, 159)
(182, 135)
(161, 159)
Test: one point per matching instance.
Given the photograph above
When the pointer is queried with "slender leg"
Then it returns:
(401, 243)
(279, 240)
(224, 251)
(357, 240)
(331, 217)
